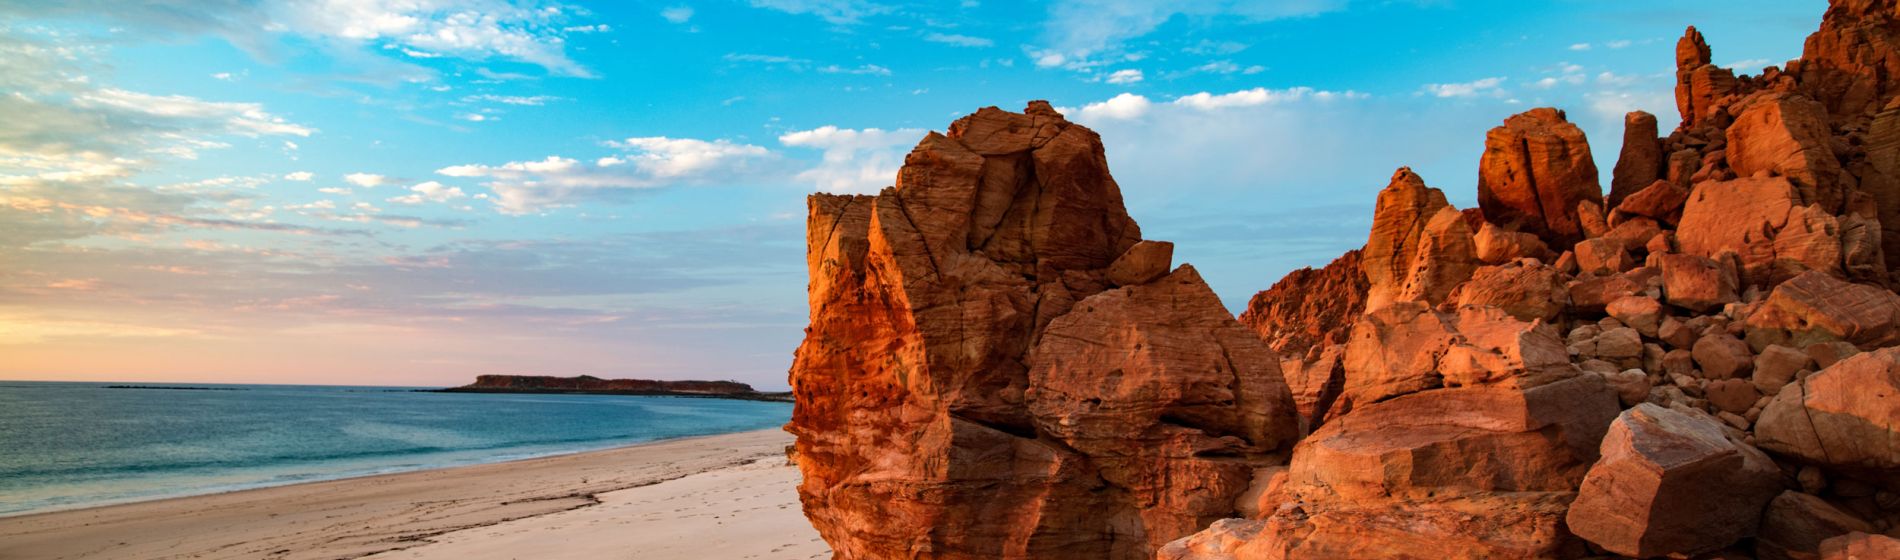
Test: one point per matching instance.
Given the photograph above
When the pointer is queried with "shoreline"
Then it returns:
(411, 511)
(391, 471)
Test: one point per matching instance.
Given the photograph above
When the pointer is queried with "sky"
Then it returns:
(415, 192)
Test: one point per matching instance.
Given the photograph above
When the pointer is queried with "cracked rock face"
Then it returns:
(974, 384)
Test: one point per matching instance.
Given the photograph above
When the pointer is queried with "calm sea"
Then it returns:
(67, 445)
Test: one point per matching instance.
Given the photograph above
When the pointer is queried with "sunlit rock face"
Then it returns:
(1702, 364)
(999, 367)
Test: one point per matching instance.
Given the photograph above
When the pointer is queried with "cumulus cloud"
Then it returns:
(645, 163)
(525, 100)
(855, 160)
(299, 176)
(1129, 106)
(429, 191)
(366, 180)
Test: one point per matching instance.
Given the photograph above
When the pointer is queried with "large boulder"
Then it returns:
(1408, 347)
(1851, 62)
(1157, 384)
(1525, 290)
(1700, 86)
(1670, 483)
(1846, 417)
(1795, 525)
(1816, 307)
(1475, 472)
(1535, 171)
(915, 429)
(1420, 247)
(1763, 221)
(1787, 135)
(1860, 546)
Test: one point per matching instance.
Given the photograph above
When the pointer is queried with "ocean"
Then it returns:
(70, 445)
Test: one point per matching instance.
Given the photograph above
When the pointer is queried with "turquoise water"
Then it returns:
(68, 445)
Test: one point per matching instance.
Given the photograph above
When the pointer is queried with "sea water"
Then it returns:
(69, 445)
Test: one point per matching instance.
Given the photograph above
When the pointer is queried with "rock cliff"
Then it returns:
(1703, 364)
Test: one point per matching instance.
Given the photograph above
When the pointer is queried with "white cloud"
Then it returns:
(833, 11)
(366, 180)
(958, 40)
(1580, 47)
(1618, 44)
(855, 160)
(476, 30)
(1483, 87)
(1127, 76)
(334, 190)
(476, 117)
(248, 119)
(647, 162)
(865, 69)
(1262, 96)
(525, 100)
(1082, 29)
(677, 14)
(429, 191)
(299, 176)
(1121, 107)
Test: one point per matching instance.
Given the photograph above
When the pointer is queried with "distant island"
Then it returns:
(590, 385)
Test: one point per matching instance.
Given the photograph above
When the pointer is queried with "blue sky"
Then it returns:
(419, 191)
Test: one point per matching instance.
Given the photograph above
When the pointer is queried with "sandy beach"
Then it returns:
(716, 497)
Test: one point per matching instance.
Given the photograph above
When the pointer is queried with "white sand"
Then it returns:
(718, 497)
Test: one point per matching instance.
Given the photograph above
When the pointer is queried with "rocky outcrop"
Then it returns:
(1671, 483)
(1535, 171)
(976, 332)
(1420, 247)
(1310, 308)
(1700, 366)
(1641, 161)
(1846, 417)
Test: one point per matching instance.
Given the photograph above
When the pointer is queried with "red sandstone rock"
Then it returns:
(1860, 546)
(1525, 291)
(1671, 483)
(1722, 356)
(1156, 385)
(1641, 161)
(1817, 307)
(1661, 201)
(1420, 247)
(1535, 170)
(1603, 256)
(1496, 245)
(1844, 417)
(1795, 525)
(1310, 308)
(915, 430)
(1787, 135)
(1696, 283)
(1407, 347)
(1742, 216)
(1851, 61)
(1143, 263)
(1477, 472)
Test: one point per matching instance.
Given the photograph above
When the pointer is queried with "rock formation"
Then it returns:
(1704, 364)
(999, 367)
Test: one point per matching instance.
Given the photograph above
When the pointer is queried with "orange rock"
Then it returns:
(1845, 417)
(1525, 291)
(1496, 245)
(1818, 307)
(1143, 263)
(1661, 201)
(1535, 170)
(1310, 308)
(1796, 524)
(1696, 283)
(1743, 216)
(1671, 483)
(1851, 61)
(1156, 384)
(1407, 347)
(915, 427)
(1641, 161)
(1476, 472)
(1420, 247)
(1787, 134)
(1692, 52)
(1860, 546)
